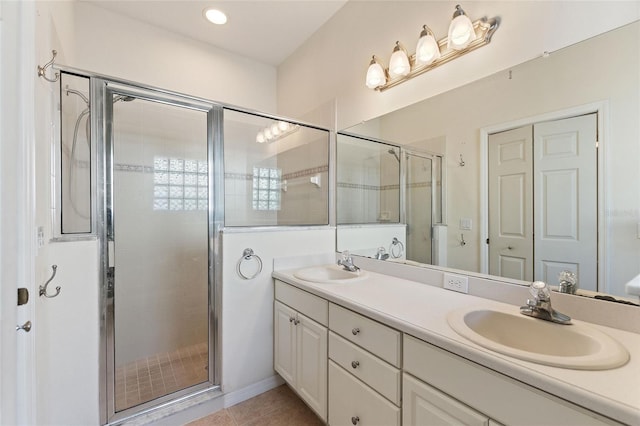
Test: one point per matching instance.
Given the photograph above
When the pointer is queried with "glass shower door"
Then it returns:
(419, 207)
(158, 250)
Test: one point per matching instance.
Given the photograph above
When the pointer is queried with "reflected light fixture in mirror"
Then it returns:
(399, 62)
(215, 16)
(275, 131)
(461, 32)
(464, 37)
(427, 49)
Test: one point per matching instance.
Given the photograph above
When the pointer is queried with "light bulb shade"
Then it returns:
(375, 75)
(427, 49)
(275, 130)
(283, 125)
(461, 32)
(260, 137)
(399, 63)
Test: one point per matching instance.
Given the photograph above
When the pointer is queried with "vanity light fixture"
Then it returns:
(399, 63)
(464, 37)
(461, 31)
(427, 49)
(275, 131)
(376, 75)
(215, 16)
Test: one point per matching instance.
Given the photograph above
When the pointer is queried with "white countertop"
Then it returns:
(420, 310)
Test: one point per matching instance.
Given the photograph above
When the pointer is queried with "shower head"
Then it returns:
(122, 98)
(394, 153)
(76, 92)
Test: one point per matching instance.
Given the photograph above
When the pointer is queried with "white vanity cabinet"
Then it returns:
(300, 344)
(441, 385)
(364, 370)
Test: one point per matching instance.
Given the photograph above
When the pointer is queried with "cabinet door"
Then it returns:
(284, 342)
(425, 405)
(312, 364)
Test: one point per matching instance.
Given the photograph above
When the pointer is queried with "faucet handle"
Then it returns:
(540, 291)
(346, 256)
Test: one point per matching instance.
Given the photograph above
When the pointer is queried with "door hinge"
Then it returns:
(487, 241)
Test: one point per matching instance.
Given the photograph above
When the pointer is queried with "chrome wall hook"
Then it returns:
(462, 241)
(43, 69)
(43, 288)
(462, 163)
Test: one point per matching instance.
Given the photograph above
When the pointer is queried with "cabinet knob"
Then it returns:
(355, 331)
(291, 319)
(296, 321)
(355, 364)
(355, 420)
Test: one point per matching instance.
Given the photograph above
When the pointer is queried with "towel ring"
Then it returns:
(396, 248)
(249, 255)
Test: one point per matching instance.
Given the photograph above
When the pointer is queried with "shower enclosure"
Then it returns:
(142, 171)
(156, 215)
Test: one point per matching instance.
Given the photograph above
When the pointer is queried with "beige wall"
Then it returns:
(330, 67)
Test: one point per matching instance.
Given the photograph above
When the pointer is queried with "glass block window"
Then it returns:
(179, 184)
(266, 188)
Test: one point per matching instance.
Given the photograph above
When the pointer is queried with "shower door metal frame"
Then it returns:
(404, 154)
(102, 91)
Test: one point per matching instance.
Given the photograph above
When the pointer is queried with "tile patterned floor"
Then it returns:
(277, 407)
(146, 379)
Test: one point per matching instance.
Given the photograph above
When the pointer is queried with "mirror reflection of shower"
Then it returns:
(393, 152)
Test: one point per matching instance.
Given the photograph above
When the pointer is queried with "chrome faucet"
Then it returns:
(347, 262)
(568, 282)
(381, 254)
(540, 305)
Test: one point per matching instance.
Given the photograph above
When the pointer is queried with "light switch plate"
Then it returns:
(459, 283)
(465, 224)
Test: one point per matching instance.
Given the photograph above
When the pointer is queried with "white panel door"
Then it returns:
(285, 342)
(510, 204)
(565, 193)
(311, 367)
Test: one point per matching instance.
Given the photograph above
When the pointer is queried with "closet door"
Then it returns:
(566, 203)
(511, 204)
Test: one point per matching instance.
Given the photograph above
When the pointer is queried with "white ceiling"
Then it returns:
(265, 30)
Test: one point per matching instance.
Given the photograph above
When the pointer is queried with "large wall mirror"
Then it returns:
(540, 160)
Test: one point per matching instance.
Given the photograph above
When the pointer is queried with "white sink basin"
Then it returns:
(575, 346)
(329, 274)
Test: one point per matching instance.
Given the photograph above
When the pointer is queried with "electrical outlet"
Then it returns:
(455, 282)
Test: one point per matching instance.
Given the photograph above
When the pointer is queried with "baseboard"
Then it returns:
(217, 403)
(240, 395)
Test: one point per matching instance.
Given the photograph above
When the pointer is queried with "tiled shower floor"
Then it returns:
(146, 379)
(277, 407)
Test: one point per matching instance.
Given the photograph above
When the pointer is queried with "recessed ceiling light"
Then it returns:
(215, 16)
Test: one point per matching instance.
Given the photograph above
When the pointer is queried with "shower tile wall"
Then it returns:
(295, 158)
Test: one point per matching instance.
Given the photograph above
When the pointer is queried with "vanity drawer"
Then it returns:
(351, 402)
(381, 376)
(378, 339)
(486, 390)
(306, 303)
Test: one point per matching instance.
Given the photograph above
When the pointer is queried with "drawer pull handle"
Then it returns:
(355, 364)
(296, 322)
(291, 319)
(355, 331)
(355, 420)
